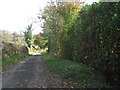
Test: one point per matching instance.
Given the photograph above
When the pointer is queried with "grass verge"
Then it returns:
(11, 60)
(43, 53)
(83, 75)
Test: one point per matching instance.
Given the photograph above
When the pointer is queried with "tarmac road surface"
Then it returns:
(28, 73)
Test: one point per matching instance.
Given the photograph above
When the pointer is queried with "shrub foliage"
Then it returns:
(90, 35)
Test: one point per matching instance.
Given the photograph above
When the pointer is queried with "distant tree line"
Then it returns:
(7, 36)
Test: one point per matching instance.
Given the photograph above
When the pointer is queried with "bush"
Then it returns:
(92, 37)
(95, 39)
(10, 49)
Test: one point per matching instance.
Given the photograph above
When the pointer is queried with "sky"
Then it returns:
(16, 15)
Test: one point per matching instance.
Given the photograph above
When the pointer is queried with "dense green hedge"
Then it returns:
(94, 38)
(91, 36)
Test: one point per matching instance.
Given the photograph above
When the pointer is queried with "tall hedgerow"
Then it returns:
(90, 36)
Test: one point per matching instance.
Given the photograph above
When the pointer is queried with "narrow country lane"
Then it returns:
(28, 73)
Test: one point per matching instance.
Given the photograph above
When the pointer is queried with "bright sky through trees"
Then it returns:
(15, 15)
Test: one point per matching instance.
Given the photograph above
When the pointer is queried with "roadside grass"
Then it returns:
(9, 61)
(43, 53)
(83, 75)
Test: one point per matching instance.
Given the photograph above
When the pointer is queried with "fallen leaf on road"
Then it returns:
(17, 82)
(26, 80)
(44, 87)
(21, 85)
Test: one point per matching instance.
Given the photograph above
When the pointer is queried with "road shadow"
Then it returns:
(37, 55)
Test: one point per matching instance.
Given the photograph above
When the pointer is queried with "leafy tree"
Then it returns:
(28, 36)
(40, 41)
(56, 23)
